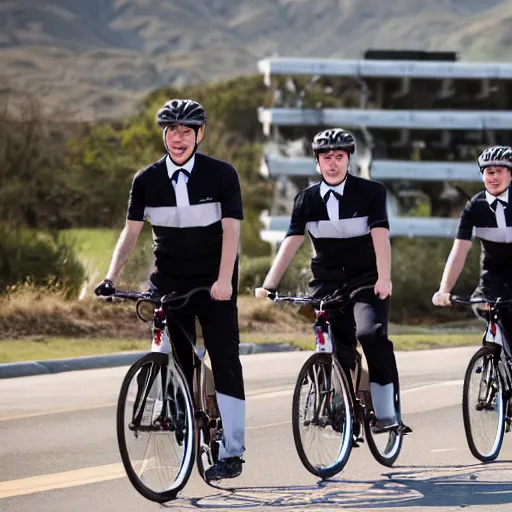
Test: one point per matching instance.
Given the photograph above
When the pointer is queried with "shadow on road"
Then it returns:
(418, 486)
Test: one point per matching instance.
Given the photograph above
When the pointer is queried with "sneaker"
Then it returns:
(225, 468)
(385, 425)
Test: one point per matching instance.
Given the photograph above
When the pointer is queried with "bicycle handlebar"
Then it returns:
(165, 300)
(129, 296)
(479, 300)
(172, 297)
(324, 303)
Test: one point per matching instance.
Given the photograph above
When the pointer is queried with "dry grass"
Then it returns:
(32, 312)
(43, 348)
(264, 317)
(36, 325)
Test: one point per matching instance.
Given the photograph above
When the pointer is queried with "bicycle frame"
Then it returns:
(324, 339)
(495, 335)
(161, 341)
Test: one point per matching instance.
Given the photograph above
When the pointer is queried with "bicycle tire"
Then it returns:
(156, 362)
(393, 446)
(324, 361)
(488, 355)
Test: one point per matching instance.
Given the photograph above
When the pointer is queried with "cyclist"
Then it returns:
(488, 216)
(347, 222)
(194, 205)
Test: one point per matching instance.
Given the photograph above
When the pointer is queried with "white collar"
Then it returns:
(490, 198)
(172, 167)
(324, 188)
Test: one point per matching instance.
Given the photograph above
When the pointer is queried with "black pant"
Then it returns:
(365, 319)
(494, 285)
(219, 323)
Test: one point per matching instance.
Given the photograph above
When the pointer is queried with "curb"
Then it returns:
(31, 368)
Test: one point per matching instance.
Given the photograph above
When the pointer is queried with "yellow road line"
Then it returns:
(64, 480)
(55, 411)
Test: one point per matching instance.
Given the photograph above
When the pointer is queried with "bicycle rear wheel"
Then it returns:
(322, 413)
(208, 426)
(483, 405)
(386, 446)
(155, 427)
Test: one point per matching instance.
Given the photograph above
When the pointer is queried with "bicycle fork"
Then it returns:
(496, 373)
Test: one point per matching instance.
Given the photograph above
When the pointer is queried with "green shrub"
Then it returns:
(30, 256)
(94, 248)
(141, 261)
(418, 265)
(254, 270)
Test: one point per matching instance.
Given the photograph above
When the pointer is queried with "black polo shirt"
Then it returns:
(187, 240)
(480, 220)
(343, 247)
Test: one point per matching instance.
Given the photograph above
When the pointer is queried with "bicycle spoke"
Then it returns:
(485, 406)
(156, 443)
(321, 438)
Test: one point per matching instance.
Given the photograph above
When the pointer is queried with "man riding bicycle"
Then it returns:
(348, 225)
(194, 205)
(487, 215)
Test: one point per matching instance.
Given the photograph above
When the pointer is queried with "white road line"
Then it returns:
(272, 394)
(255, 395)
(116, 471)
(440, 384)
(268, 425)
(261, 394)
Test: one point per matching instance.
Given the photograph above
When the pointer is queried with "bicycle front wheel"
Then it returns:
(155, 427)
(322, 416)
(483, 406)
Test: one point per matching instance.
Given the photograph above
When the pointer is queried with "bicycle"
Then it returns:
(163, 427)
(487, 391)
(328, 402)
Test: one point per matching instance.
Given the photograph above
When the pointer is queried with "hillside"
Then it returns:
(97, 59)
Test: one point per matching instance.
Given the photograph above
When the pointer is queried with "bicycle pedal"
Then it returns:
(404, 429)
(356, 441)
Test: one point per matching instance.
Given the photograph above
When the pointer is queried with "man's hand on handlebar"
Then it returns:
(105, 289)
(263, 293)
(441, 299)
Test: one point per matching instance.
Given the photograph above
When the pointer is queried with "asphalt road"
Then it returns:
(58, 449)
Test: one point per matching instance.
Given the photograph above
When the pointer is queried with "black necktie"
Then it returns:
(334, 193)
(176, 173)
(494, 204)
